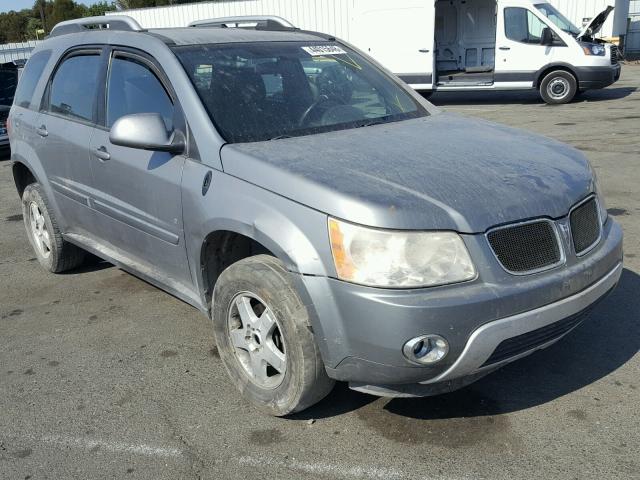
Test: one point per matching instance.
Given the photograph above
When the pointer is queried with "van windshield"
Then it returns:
(560, 21)
(271, 90)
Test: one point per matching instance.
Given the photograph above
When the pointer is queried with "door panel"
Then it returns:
(65, 128)
(137, 193)
(399, 36)
(519, 54)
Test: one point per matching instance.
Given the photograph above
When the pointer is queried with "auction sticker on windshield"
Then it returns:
(324, 50)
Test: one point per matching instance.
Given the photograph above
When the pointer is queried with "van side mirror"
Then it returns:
(547, 37)
(146, 131)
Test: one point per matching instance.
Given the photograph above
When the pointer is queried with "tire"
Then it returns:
(279, 330)
(53, 253)
(558, 87)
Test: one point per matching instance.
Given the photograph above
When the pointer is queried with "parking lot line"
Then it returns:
(114, 447)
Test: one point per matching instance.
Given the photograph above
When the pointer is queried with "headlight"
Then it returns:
(593, 49)
(399, 259)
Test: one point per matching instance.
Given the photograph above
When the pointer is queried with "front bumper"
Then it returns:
(597, 77)
(361, 330)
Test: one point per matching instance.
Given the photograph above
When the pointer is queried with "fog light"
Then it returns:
(426, 349)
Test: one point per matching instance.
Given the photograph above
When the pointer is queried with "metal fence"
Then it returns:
(17, 51)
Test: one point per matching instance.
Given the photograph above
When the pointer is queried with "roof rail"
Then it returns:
(261, 22)
(111, 22)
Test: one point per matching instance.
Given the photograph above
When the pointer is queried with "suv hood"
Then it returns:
(595, 24)
(442, 172)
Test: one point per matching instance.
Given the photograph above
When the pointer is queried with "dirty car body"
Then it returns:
(514, 222)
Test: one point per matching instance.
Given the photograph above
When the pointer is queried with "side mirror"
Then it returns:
(547, 37)
(146, 131)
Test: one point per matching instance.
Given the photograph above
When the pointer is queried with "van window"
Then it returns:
(134, 88)
(521, 25)
(30, 77)
(74, 87)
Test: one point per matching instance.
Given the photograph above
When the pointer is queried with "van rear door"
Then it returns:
(399, 35)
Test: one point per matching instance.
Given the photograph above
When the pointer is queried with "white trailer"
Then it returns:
(444, 44)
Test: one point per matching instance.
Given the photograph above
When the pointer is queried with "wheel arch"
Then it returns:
(547, 69)
(232, 241)
(22, 176)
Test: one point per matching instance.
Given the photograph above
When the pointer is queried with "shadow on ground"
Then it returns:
(608, 339)
(523, 97)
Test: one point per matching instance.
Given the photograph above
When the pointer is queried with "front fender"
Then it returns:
(296, 234)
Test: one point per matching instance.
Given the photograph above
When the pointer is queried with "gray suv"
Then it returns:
(332, 223)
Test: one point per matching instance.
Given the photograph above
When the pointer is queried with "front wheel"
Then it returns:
(558, 87)
(265, 338)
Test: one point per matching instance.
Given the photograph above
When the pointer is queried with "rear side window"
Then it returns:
(134, 88)
(74, 87)
(521, 25)
(30, 77)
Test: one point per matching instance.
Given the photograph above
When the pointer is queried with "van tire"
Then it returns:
(60, 255)
(558, 87)
(264, 281)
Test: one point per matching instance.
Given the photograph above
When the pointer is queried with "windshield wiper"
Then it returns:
(280, 137)
(376, 121)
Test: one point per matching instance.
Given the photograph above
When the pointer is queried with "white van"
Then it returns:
(455, 45)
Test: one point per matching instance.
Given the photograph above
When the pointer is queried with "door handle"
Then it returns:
(505, 48)
(102, 153)
(424, 50)
(42, 131)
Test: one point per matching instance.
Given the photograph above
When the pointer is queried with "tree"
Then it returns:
(100, 8)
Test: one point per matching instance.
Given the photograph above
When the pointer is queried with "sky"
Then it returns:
(6, 5)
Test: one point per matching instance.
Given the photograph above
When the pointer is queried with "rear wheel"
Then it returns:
(558, 87)
(53, 253)
(265, 339)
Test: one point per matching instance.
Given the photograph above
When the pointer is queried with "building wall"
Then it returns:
(16, 51)
(632, 49)
(329, 15)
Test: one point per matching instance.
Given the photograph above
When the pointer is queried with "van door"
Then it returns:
(520, 53)
(138, 195)
(400, 36)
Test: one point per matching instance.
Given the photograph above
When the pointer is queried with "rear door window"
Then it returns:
(74, 87)
(134, 88)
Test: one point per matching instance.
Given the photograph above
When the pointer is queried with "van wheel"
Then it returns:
(558, 87)
(264, 337)
(53, 253)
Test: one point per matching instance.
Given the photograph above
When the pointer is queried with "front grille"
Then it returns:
(585, 226)
(526, 247)
(614, 55)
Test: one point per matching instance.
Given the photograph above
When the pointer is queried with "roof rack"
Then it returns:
(111, 22)
(258, 22)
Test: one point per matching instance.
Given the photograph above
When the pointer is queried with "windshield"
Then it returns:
(562, 22)
(264, 91)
